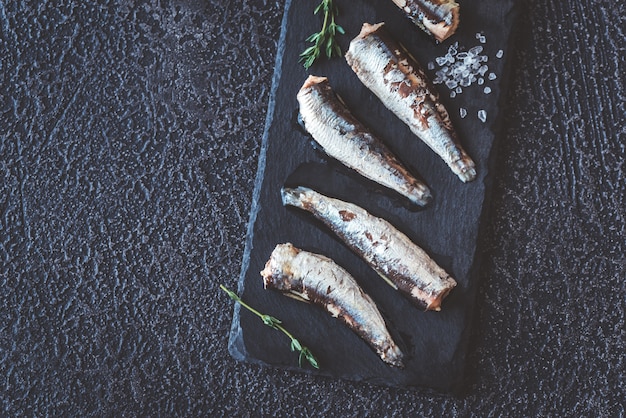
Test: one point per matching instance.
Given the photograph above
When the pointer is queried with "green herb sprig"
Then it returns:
(324, 40)
(275, 323)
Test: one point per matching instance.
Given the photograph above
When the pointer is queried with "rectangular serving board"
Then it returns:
(434, 342)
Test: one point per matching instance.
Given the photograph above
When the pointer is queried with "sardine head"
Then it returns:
(277, 273)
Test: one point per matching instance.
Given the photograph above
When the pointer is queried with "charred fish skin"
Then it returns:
(439, 18)
(346, 139)
(318, 279)
(393, 75)
(398, 260)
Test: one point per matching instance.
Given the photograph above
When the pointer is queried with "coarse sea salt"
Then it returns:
(460, 68)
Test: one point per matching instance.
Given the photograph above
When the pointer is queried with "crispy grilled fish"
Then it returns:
(404, 265)
(346, 139)
(393, 75)
(319, 280)
(440, 18)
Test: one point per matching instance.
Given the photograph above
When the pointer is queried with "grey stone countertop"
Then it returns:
(129, 139)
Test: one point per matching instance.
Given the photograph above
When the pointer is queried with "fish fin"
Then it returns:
(341, 100)
(388, 281)
(298, 296)
(406, 50)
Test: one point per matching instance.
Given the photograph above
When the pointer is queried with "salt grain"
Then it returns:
(475, 50)
(451, 84)
(462, 112)
(500, 53)
(492, 76)
(431, 65)
(482, 115)
(487, 90)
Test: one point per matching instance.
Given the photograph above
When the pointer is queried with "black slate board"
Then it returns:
(435, 342)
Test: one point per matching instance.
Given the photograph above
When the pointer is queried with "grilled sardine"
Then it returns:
(346, 139)
(321, 281)
(404, 265)
(440, 18)
(393, 75)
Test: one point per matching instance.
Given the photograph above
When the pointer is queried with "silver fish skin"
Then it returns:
(393, 75)
(439, 18)
(319, 280)
(403, 264)
(346, 139)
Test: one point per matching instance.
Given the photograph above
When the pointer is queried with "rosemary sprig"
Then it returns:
(275, 323)
(324, 40)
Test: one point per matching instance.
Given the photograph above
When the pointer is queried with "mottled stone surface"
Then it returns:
(128, 145)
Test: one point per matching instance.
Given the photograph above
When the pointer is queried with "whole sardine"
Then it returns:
(439, 18)
(393, 75)
(319, 280)
(346, 139)
(404, 265)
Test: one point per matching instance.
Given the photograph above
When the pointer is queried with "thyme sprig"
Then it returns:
(324, 40)
(275, 323)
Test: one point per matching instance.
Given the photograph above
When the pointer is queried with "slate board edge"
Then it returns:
(236, 345)
(498, 128)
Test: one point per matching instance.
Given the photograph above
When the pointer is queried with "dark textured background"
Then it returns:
(128, 148)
